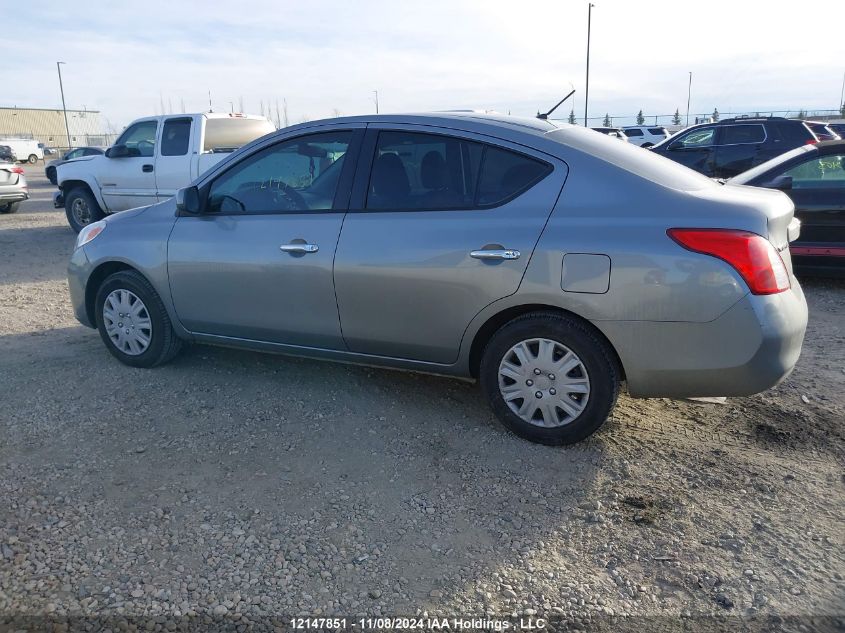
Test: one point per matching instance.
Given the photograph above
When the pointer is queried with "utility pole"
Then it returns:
(375, 92)
(64, 107)
(689, 94)
(587, 90)
(842, 94)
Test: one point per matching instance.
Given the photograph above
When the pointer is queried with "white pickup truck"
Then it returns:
(151, 159)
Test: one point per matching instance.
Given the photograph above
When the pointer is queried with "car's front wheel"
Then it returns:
(11, 207)
(51, 175)
(133, 321)
(549, 378)
(81, 209)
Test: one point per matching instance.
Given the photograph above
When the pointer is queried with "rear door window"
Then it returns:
(175, 137)
(418, 171)
(742, 134)
(634, 132)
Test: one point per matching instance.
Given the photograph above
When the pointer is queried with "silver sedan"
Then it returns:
(548, 262)
(13, 188)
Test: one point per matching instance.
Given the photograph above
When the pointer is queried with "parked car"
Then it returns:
(13, 189)
(48, 151)
(729, 147)
(813, 176)
(26, 149)
(77, 152)
(823, 131)
(646, 135)
(151, 159)
(613, 132)
(7, 155)
(448, 243)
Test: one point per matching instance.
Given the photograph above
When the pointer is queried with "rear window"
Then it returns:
(231, 133)
(661, 131)
(740, 134)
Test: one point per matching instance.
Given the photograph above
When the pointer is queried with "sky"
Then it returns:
(326, 57)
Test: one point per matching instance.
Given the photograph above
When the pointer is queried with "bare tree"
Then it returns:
(285, 111)
(335, 112)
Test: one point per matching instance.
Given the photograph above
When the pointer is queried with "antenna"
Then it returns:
(557, 105)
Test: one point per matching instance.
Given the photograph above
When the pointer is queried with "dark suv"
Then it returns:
(732, 146)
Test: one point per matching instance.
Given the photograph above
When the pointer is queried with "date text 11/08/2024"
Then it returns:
(418, 624)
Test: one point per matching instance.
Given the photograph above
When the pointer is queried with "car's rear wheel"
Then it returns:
(647, 145)
(33, 159)
(549, 378)
(11, 207)
(133, 321)
(81, 209)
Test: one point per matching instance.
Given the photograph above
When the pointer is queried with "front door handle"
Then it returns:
(300, 248)
(502, 253)
(147, 168)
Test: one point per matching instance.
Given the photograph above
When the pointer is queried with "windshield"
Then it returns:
(747, 176)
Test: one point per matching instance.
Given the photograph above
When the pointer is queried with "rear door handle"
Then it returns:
(503, 253)
(147, 168)
(299, 248)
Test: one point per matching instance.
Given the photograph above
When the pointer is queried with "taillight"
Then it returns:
(752, 255)
(17, 170)
(810, 141)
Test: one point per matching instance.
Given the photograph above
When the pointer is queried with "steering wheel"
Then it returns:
(288, 197)
(143, 148)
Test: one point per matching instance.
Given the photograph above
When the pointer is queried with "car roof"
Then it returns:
(455, 119)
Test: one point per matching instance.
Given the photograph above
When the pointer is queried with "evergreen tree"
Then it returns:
(715, 114)
(640, 118)
(606, 120)
(676, 120)
(572, 116)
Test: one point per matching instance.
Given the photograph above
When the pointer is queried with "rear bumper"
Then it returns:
(13, 196)
(748, 349)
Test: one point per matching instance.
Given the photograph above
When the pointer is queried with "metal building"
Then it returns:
(48, 126)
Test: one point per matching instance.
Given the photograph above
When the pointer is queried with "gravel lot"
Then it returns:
(245, 485)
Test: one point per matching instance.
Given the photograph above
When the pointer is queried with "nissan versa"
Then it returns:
(547, 261)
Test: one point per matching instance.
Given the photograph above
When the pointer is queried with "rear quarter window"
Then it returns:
(506, 174)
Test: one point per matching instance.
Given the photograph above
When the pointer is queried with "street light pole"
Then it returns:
(587, 89)
(375, 92)
(64, 108)
(689, 93)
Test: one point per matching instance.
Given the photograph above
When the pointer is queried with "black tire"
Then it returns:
(595, 355)
(12, 207)
(82, 213)
(647, 145)
(51, 175)
(33, 159)
(164, 345)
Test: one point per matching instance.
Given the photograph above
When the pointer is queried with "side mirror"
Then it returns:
(188, 200)
(117, 151)
(782, 182)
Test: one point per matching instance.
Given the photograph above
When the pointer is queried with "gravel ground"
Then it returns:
(248, 486)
